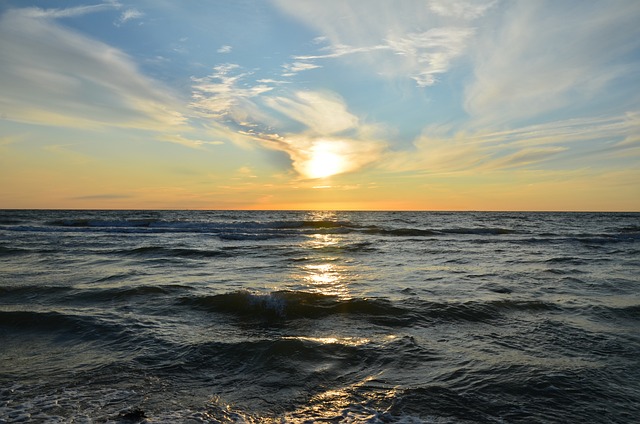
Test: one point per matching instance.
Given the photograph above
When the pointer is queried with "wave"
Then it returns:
(315, 224)
(567, 260)
(253, 230)
(253, 236)
(441, 401)
(159, 251)
(242, 230)
(31, 290)
(13, 251)
(259, 226)
(497, 395)
(364, 246)
(146, 292)
(58, 321)
(85, 222)
(632, 229)
(631, 312)
(419, 232)
(480, 231)
(400, 232)
(290, 305)
(70, 295)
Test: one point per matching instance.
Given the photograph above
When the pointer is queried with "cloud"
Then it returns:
(525, 157)
(437, 154)
(295, 67)
(431, 52)
(358, 23)
(585, 140)
(632, 139)
(460, 8)
(339, 50)
(422, 55)
(245, 172)
(9, 140)
(220, 94)
(52, 75)
(418, 40)
(550, 56)
(188, 142)
(316, 157)
(128, 15)
(331, 140)
(71, 12)
(224, 49)
(328, 141)
(324, 113)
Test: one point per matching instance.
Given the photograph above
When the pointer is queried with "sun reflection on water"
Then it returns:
(347, 403)
(327, 274)
(326, 278)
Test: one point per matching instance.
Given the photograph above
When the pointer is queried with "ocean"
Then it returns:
(319, 317)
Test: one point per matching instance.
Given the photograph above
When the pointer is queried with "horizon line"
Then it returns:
(323, 210)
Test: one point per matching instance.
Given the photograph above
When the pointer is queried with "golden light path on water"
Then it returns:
(334, 405)
(328, 274)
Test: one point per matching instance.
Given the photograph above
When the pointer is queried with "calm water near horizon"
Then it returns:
(304, 317)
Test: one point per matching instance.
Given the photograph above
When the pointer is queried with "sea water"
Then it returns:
(303, 317)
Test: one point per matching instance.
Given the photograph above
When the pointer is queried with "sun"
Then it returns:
(324, 162)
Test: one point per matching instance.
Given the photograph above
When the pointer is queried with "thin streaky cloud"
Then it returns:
(539, 63)
(189, 142)
(342, 50)
(464, 9)
(38, 13)
(296, 67)
(49, 69)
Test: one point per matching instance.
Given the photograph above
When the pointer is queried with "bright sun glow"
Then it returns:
(324, 162)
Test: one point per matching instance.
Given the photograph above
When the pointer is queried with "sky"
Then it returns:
(332, 104)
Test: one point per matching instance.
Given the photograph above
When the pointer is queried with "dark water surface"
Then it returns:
(302, 317)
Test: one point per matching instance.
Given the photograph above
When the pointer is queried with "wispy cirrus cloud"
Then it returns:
(188, 142)
(539, 62)
(339, 50)
(221, 93)
(291, 69)
(427, 53)
(437, 151)
(431, 52)
(418, 41)
(465, 9)
(70, 12)
(49, 69)
(525, 157)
